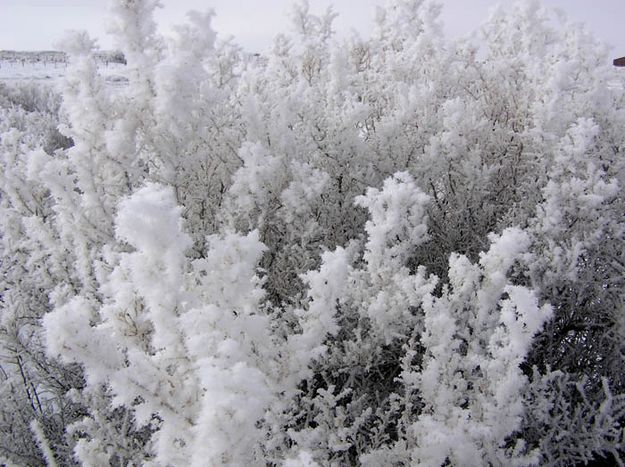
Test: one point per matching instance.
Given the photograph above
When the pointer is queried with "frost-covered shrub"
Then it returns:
(394, 250)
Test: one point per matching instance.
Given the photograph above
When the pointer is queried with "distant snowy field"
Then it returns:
(51, 66)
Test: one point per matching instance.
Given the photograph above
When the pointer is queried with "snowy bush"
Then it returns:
(393, 250)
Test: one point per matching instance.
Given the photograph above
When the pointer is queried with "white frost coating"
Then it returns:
(505, 249)
(180, 78)
(199, 357)
(318, 321)
(70, 336)
(229, 271)
(578, 186)
(133, 342)
(364, 360)
(235, 399)
(307, 184)
(228, 339)
(389, 295)
(150, 221)
(135, 29)
(398, 220)
(471, 382)
(386, 288)
(463, 275)
(578, 190)
(304, 459)
(520, 319)
(256, 181)
(77, 43)
(42, 443)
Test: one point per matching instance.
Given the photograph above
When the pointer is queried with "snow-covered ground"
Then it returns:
(17, 71)
(50, 66)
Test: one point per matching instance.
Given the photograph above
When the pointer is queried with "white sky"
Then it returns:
(39, 24)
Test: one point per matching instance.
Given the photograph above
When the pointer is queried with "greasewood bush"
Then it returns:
(392, 250)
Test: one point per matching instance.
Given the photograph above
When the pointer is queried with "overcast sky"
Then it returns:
(38, 24)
